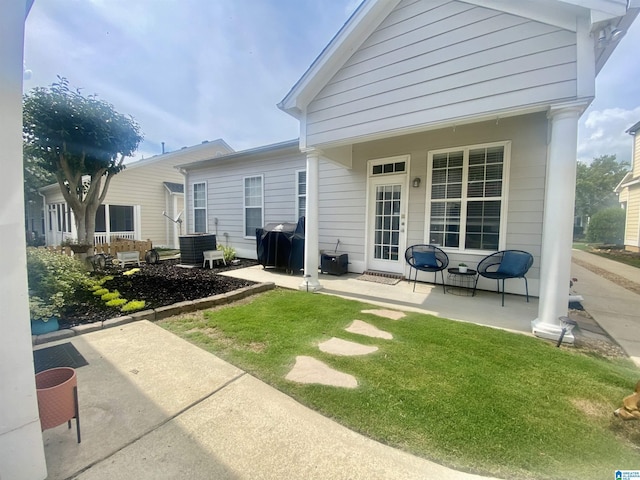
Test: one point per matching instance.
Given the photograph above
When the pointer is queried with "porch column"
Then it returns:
(21, 447)
(557, 234)
(311, 252)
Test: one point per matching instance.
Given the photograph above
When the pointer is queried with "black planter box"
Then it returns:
(334, 263)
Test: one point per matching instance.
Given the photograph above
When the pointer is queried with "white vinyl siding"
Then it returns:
(253, 205)
(301, 193)
(466, 197)
(225, 192)
(434, 61)
(199, 191)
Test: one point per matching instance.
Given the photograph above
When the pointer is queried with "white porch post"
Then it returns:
(21, 447)
(311, 252)
(557, 236)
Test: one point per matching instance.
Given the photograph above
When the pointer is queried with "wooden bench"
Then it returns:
(128, 257)
(211, 255)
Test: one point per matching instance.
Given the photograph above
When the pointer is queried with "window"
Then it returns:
(467, 197)
(200, 207)
(391, 167)
(253, 206)
(60, 217)
(301, 193)
(120, 218)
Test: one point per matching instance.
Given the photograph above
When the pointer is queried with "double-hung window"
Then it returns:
(301, 193)
(467, 197)
(200, 207)
(253, 205)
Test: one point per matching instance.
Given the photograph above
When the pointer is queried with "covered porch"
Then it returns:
(406, 102)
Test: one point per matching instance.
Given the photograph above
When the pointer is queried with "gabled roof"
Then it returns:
(264, 150)
(633, 129)
(206, 149)
(610, 14)
(173, 187)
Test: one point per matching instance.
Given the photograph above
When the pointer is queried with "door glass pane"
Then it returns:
(387, 222)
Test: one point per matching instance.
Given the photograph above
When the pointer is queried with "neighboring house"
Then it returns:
(144, 201)
(628, 191)
(428, 121)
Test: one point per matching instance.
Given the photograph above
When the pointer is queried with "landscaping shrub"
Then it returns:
(55, 280)
(133, 305)
(116, 302)
(110, 296)
(607, 226)
(228, 252)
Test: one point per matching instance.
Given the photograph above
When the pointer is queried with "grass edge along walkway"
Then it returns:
(466, 396)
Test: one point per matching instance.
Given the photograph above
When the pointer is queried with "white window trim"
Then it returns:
(193, 207)
(244, 205)
(504, 198)
(298, 195)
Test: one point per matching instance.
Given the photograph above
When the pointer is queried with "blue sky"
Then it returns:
(194, 70)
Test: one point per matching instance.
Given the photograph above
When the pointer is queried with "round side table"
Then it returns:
(461, 283)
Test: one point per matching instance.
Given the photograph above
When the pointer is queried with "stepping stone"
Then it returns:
(309, 370)
(364, 328)
(392, 314)
(337, 346)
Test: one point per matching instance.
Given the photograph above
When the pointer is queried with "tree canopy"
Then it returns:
(82, 140)
(595, 183)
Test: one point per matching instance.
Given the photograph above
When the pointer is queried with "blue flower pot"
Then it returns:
(38, 327)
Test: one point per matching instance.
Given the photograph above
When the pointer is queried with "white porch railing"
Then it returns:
(108, 237)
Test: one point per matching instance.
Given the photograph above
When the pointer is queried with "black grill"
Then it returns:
(281, 245)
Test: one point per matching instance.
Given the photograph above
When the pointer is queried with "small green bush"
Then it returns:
(133, 305)
(55, 279)
(607, 226)
(228, 252)
(41, 310)
(116, 302)
(100, 292)
(110, 296)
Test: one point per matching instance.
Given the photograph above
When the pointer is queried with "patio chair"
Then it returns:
(426, 258)
(503, 265)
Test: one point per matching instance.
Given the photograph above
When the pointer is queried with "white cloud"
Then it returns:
(603, 132)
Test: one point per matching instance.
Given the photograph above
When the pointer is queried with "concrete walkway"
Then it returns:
(615, 308)
(153, 406)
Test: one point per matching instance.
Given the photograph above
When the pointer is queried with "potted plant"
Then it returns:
(44, 314)
(462, 267)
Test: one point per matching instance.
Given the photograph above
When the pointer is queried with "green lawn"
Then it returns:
(470, 397)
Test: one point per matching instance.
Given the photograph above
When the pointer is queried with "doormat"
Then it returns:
(63, 355)
(385, 280)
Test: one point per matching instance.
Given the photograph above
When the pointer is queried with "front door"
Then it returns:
(387, 223)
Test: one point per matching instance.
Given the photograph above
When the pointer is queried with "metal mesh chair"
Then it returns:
(503, 265)
(426, 258)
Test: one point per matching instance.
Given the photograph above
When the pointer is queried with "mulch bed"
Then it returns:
(158, 285)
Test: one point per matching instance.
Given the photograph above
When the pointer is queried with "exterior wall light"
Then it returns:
(416, 182)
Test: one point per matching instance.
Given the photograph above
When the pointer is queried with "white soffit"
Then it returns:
(551, 12)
